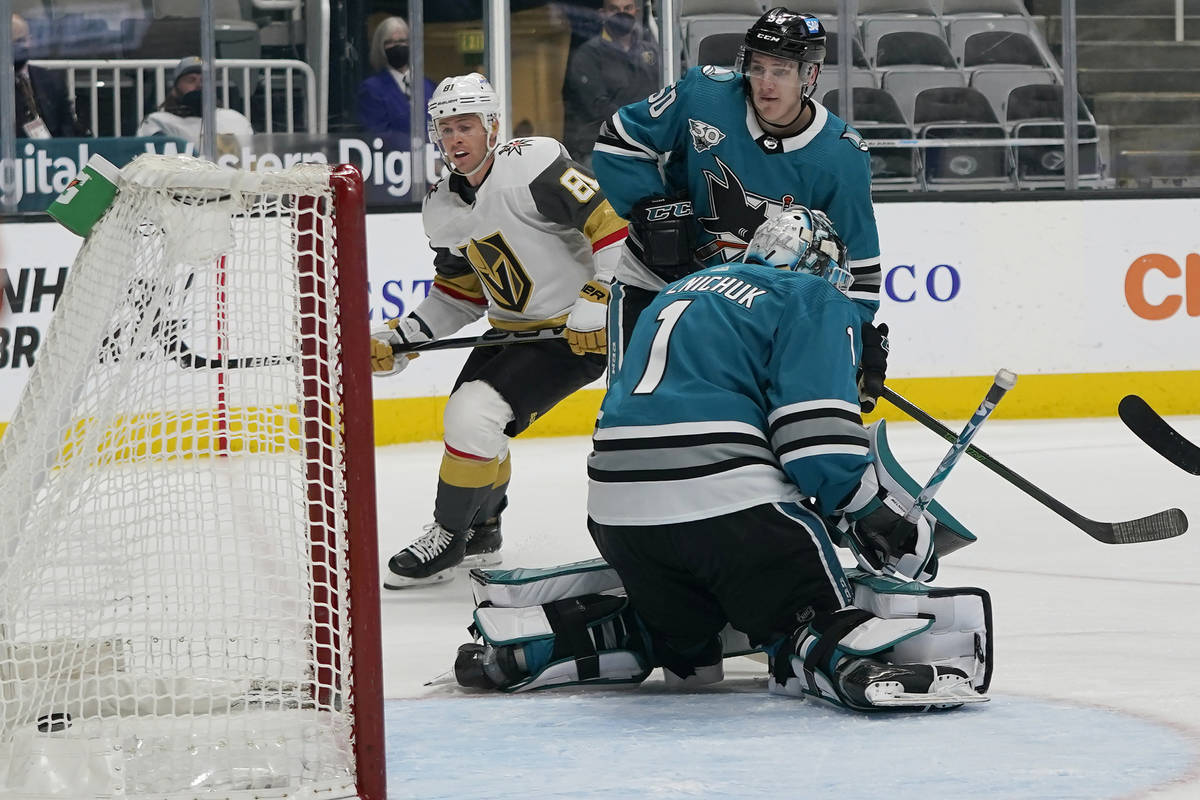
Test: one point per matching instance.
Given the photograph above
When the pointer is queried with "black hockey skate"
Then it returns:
(868, 684)
(430, 559)
(483, 546)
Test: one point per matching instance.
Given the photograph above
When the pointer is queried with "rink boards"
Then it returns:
(1086, 300)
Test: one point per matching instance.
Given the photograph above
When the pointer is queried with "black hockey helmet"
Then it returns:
(784, 34)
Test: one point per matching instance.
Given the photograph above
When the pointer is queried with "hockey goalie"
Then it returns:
(729, 459)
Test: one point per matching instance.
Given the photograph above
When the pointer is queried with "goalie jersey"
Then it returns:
(737, 389)
(712, 150)
(524, 241)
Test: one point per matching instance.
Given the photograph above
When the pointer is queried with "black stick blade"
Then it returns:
(1152, 429)
(1163, 525)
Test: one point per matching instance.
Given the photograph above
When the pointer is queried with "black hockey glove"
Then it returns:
(660, 236)
(873, 368)
(883, 541)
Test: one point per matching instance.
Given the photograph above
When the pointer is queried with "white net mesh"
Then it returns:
(173, 614)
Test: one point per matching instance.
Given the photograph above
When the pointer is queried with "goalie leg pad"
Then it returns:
(561, 626)
(961, 633)
(860, 660)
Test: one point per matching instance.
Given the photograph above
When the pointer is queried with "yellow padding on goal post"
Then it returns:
(1053, 396)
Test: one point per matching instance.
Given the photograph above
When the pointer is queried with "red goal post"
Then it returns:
(189, 597)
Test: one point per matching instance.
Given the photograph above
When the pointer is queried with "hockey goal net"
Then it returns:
(188, 575)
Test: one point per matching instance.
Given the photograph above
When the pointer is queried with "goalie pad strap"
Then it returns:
(569, 621)
(821, 655)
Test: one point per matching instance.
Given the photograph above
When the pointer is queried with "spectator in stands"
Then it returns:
(621, 65)
(180, 114)
(44, 109)
(384, 98)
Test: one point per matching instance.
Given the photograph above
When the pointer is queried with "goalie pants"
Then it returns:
(766, 570)
(531, 378)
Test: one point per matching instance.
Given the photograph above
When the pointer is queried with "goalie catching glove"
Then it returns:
(587, 324)
(401, 331)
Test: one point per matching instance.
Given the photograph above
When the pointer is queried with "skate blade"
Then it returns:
(482, 560)
(445, 678)
(394, 581)
(891, 694)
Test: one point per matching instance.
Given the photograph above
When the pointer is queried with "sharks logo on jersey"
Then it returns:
(736, 214)
(501, 271)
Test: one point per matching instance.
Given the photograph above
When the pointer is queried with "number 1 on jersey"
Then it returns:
(656, 359)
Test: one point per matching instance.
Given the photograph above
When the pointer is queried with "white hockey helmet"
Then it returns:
(801, 240)
(465, 94)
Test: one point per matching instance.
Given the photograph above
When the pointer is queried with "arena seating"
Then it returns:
(951, 69)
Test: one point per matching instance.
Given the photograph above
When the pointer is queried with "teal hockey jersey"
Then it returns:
(699, 138)
(737, 389)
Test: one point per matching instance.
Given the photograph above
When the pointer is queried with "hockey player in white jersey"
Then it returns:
(524, 235)
(728, 457)
(698, 166)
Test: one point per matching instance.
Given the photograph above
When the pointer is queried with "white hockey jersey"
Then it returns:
(526, 239)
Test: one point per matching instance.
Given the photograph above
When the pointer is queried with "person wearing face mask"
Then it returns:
(181, 113)
(620, 65)
(384, 97)
(44, 109)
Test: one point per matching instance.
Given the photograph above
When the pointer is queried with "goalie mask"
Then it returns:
(779, 33)
(465, 94)
(801, 240)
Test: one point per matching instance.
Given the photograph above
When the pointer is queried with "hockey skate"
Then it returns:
(867, 683)
(430, 559)
(483, 546)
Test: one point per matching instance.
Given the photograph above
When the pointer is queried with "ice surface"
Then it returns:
(1096, 648)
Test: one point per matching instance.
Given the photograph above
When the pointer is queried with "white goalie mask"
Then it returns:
(801, 240)
(465, 94)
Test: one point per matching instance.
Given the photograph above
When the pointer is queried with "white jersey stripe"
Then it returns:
(678, 429)
(825, 450)
(814, 405)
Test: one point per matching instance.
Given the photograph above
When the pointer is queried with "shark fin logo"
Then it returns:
(734, 214)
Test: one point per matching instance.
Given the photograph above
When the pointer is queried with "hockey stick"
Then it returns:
(1152, 429)
(1004, 381)
(493, 337)
(1163, 525)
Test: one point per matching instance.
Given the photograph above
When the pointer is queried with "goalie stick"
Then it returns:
(1003, 381)
(1162, 525)
(1152, 429)
(491, 337)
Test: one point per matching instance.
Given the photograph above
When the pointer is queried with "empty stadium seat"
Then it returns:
(961, 113)
(924, 8)
(831, 51)
(876, 116)
(1035, 112)
(906, 84)
(997, 82)
(958, 30)
(697, 29)
(827, 81)
(720, 49)
(874, 27)
(969, 7)
(1001, 47)
(691, 8)
(906, 48)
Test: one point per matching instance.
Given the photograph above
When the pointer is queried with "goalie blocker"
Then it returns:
(903, 645)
